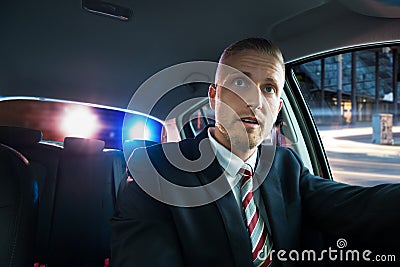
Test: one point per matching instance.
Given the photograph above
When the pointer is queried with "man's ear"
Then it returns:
(212, 92)
(280, 104)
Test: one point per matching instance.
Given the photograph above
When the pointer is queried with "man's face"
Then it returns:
(246, 99)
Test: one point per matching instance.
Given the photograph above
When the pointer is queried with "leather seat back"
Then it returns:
(18, 209)
(84, 203)
(44, 160)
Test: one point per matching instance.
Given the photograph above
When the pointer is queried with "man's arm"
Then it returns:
(143, 231)
(365, 213)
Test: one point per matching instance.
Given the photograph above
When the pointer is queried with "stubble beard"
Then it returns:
(240, 142)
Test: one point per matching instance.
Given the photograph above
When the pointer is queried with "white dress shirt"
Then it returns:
(231, 164)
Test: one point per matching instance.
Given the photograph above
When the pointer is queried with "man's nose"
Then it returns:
(254, 97)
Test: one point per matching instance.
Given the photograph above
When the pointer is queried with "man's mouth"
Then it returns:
(249, 120)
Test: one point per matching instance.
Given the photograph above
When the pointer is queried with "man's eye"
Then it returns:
(269, 89)
(239, 82)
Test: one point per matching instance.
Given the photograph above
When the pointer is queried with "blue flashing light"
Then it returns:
(138, 127)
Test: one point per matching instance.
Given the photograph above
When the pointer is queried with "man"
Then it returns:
(224, 198)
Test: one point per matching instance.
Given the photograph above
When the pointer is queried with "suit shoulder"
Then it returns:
(287, 153)
(163, 156)
(186, 147)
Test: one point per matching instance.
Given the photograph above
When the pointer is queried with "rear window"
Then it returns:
(59, 119)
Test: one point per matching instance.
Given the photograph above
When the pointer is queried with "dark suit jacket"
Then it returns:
(298, 206)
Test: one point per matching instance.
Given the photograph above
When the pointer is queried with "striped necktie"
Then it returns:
(260, 241)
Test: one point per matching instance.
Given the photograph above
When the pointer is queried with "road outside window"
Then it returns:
(354, 99)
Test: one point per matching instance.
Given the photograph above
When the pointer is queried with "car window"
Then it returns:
(353, 98)
(59, 119)
(200, 117)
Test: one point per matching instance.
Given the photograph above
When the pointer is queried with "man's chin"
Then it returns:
(254, 143)
(253, 140)
(243, 141)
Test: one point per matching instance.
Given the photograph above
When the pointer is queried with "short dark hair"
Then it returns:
(260, 45)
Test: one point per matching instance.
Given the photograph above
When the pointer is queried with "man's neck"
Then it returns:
(243, 154)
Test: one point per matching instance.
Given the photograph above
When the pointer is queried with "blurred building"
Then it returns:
(351, 87)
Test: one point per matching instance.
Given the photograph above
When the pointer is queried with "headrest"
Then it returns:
(18, 136)
(131, 145)
(83, 146)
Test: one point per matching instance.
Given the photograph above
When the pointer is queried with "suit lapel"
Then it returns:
(268, 182)
(260, 201)
(233, 220)
(275, 207)
(235, 229)
(230, 213)
(262, 171)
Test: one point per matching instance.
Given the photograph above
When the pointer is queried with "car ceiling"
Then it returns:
(56, 49)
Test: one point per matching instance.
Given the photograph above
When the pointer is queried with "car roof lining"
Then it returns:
(64, 52)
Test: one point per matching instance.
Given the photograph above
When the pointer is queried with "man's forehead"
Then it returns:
(251, 65)
(250, 61)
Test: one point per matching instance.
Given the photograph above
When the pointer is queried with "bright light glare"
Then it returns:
(79, 122)
(139, 131)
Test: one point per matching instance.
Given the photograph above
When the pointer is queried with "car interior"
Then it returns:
(101, 64)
